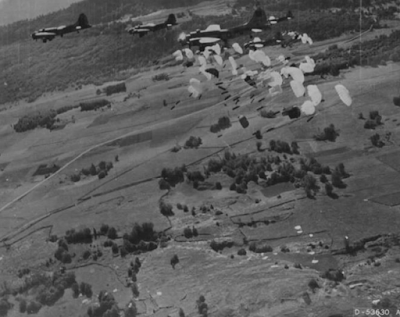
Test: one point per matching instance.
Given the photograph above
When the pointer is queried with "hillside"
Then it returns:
(16, 10)
(107, 52)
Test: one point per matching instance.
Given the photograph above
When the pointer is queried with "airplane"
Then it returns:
(143, 29)
(256, 42)
(47, 34)
(214, 33)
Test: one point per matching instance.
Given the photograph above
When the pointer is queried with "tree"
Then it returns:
(337, 180)
(130, 309)
(329, 189)
(112, 233)
(181, 312)
(174, 261)
(187, 232)
(75, 290)
(135, 289)
(22, 305)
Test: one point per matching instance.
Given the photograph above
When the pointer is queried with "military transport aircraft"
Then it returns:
(143, 29)
(214, 33)
(47, 34)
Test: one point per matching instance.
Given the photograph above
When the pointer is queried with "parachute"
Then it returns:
(237, 48)
(234, 65)
(277, 79)
(308, 107)
(218, 59)
(216, 48)
(315, 95)
(189, 53)
(296, 74)
(298, 88)
(260, 57)
(306, 39)
(282, 59)
(213, 71)
(202, 61)
(195, 87)
(178, 55)
(251, 55)
(308, 66)
(205, 73)
(344, 94)
(275, 90)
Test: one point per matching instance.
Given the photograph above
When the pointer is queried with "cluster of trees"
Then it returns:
(171, 177)
(202, 306)
(193, 142)
(185, 208)
(329, 134)
(34, 120)
(284, 147)
(23, 272)
(222, 124)
(257, 247)
(114, 89)
(160, 77)
(5, 306)
(48, 290)
(375, 119)
(174, 261)
(94, 104)
(101, 170)
(376, 140)
(220, 245)
(108, 307)
(190, 232)
(81, 236)
(83, 288)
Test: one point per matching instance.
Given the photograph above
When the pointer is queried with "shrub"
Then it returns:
(242, 252)
(135, 289)
(396, 101)
(75, 178)
(323, 178)
(130, 309)
(115, 248)
(340, 169)
(193, 142)
(33, 307)
(163, 184)
(267, 114)
(174, 261)
(260, 247)
(159, 77)
(104, 229)
(86, 254)
(187, 232)
(313, 284)
(102, 174)
(309, 184)
(75, 290)
(86, 289)
(66, 258)
(112, 233)
(370, 124)
(336, 180)
(218, 186)
(22, 305)
(114, 89)
(181, 312)
(375, 116)
(173, 176)
(376, 140)
(166, 209)
(329, 134)
(93, 105)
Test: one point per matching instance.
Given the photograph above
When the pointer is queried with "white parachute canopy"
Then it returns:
(306, 39)
(237, 48)
(298, 88)
(315, 95)
(308, 107)
(195, 88)
(234, 65)
(277, 79)
(309, 60)
(207, 52)
(189, 53)
(202, 61)
(218, 59)
(344, 94)
(260, 57)
(206, 74)
(282, 59)
(296, 74)
(275, 90)
(178, 55)
(308, 66)
(216, 48)
(251, 55)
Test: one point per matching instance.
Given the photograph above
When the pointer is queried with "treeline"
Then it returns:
(114, 89)
(94, 104)
(101, 170)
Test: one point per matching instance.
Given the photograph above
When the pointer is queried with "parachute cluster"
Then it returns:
(273, 76)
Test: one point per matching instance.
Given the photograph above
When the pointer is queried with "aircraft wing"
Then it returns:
(206, 40)
(44, 35)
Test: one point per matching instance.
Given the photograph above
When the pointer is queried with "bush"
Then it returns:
(22, 305)
(66, 258)
(193, 142)
(267, 114)
(181, 312)
(93, 105)
(102, 174)
(376, 140)
(159, 77)
(86, 254)
(242, 252)
(112, 233)
(115, 248)
(260, 247)
(166, 209)
(396, 101)
(218, 186)
(104, 229)
(163, 184)
(33, 307)
(174, 261)
(172, 176)
(130, 309)
(187, 232)
(114, 89)
(329, 134)
(309, 184)
(86, 289)
(336, 180)
(75, 290)
(135, 289)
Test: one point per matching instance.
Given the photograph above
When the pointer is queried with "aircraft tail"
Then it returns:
(83, 21)
(171, 19)
(258, 19)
